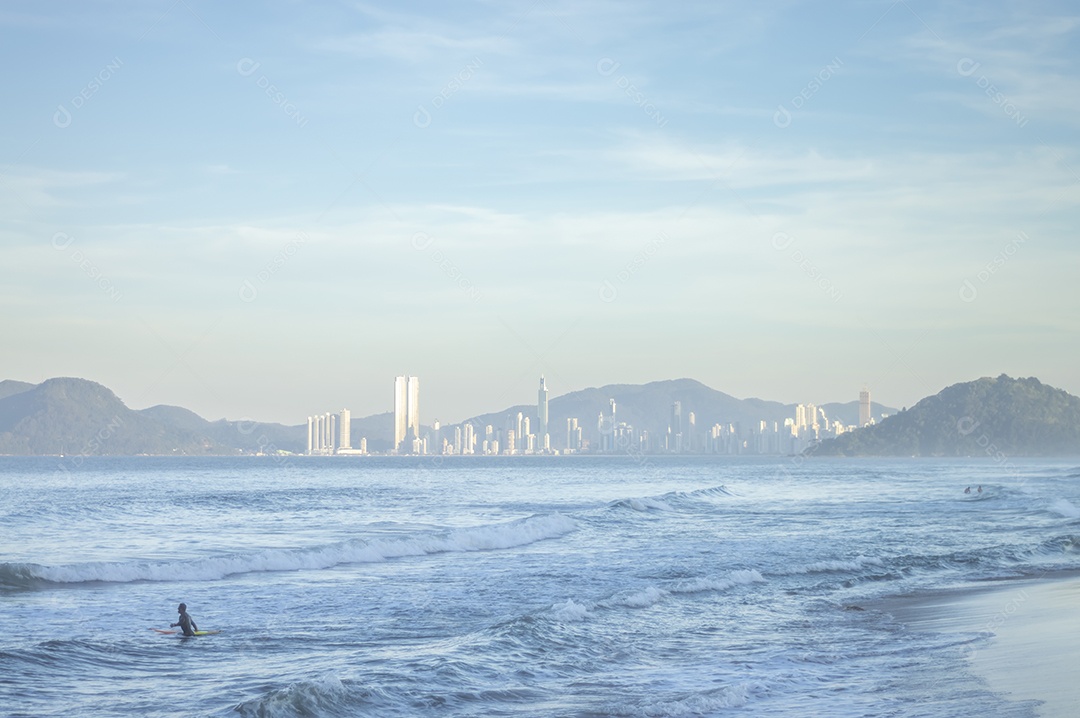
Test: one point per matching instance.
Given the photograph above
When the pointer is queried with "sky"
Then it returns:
(267, 211)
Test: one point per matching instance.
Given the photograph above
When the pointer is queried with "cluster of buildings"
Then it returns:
(332, 434)
(525, 434)
(683, 435)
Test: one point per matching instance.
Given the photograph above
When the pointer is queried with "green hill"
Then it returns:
(79, 417)
(988, 417)
(76, 416)
(233, 436)
(10, 387)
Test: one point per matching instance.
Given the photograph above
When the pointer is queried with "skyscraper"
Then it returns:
(676, 427)
(414, 408)
(864, 407)
(800, 417)
(542, 413)
(406, 413)
(345, 424)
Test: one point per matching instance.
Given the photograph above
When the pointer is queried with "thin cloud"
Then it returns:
(413, 46)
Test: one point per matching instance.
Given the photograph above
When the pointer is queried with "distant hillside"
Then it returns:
(80, 417)
(648, 407)
(990, 416)
(76, 416)
(233, 436)
(9, 387)
(378, 429)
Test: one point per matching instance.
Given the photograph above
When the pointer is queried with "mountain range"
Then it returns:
(648, 407)
(992, 416)
(77, 416)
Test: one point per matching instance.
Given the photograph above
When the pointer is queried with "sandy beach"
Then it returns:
(1031, 632)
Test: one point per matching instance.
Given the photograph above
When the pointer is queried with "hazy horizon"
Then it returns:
(427, 421)
(269, 213)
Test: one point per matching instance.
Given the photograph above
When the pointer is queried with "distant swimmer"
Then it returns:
(187, 625)
(967, 490)
(980, 489)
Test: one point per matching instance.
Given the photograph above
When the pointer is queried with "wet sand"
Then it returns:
(1033, 649)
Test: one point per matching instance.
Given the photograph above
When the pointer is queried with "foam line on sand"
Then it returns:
(1032, 644)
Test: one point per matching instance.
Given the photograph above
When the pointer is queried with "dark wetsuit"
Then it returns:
(186, 624)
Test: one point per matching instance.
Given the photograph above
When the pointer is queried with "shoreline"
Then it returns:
(1030, 628)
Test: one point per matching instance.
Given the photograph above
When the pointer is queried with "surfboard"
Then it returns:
(171, 632)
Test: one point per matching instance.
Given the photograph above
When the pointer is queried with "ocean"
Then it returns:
(512, 586)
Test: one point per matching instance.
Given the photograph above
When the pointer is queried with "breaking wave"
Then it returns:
(482, 538)
(856, 564)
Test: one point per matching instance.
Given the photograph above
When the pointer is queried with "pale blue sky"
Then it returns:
(269, 211)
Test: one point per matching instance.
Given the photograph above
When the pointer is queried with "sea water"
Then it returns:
(516, 586)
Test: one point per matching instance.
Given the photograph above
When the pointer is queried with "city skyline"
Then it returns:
(780, 201)
(329, 434)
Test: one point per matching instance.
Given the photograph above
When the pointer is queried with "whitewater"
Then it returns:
(512, 586)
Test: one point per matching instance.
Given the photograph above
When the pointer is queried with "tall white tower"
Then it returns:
(413, 419)
(542, 413)
(864, 407)
(406, 412)
(400, 402)
(345, 424)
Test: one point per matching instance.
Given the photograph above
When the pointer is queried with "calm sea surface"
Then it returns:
(472, 586)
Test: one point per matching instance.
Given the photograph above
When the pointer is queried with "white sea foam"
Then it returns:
(570, 611)
(652, 595)
(1066, 508)
(699, 703)
(746, 576)
(855, 564)
(315, 697)
(645, 598)
(646, 504)
(715, 491)
(702, 584)
(481, 538)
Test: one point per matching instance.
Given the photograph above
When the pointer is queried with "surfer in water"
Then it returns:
(187, 625)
